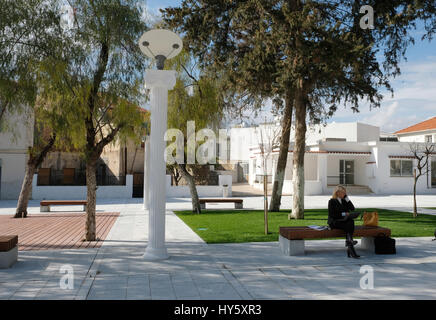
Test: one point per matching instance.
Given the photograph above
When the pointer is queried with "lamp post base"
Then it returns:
(153, 254)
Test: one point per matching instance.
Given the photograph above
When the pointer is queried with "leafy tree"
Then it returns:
(320, 53)
(32, 42)
(196, 98)
(268, 140)
(29, 32)
(421, 154)
(104, 77)
(247, 68)
(51, 130)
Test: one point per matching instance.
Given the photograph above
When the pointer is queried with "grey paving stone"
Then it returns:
(138, 287)
(223, 271)
(211, 276)
(185, 289)
(217, 291)
(250, 275)
(138, 293)
(242, 292)
(159, 279)
(56, 294)
(265, 290)
(9, 288)
(33, 285)
(181, 277)
(138, 279)
(163, 294)
(314, 286)
(113, 294)
(25, 294)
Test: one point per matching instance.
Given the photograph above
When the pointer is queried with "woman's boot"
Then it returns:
(352, 252)
(349, 240)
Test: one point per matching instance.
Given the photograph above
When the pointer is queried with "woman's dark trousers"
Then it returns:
(347, 226)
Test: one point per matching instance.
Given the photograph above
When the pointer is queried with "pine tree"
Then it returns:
(316, 50)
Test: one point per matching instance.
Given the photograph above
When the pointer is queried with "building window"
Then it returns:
(401, 168)
(389, 139)
(428, 138)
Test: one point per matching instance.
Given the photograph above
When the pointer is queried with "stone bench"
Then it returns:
(8, 250)
(238, 202)
(45, 204)
(291, 239)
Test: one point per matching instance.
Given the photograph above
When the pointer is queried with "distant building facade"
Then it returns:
(353, 154)
(14, 147)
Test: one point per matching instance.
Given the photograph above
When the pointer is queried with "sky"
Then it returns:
(414, 97)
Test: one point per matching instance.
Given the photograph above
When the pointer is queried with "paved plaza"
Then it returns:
(244, 271)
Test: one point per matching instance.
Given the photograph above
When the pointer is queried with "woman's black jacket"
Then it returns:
(336, 208)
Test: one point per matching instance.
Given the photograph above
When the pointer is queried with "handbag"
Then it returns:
(370, 219)
(384, 245)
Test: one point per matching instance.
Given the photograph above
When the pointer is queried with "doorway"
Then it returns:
(138, 185)
(346, 172)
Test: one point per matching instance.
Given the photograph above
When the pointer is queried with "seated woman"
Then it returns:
(340, 207)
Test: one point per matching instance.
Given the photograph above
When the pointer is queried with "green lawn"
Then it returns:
(232, 226)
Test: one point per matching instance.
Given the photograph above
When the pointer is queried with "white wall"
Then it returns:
(360, 175)
(310, 166)
(241, 140)
(12, 174)
(417, 136)
(385, 184)
(346, 130)
(351, 131)
(366, 132)
(232, 173)
(79, 192)
(13, 153)
(310, 187)
(20, 135)
(203, 191)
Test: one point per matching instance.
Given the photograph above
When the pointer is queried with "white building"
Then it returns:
(421, 132)
(353, 154)
(14, 145)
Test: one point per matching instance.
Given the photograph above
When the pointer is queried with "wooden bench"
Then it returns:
(238, 202)
(8, 250)
(45, 204)
(291, 239)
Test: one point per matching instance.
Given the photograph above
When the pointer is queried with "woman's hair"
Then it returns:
(338, 188)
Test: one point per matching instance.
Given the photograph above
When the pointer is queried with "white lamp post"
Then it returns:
(158, 44)
(146, 172)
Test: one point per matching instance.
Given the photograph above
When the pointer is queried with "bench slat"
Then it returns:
(221, 200)
(63, 202)
(298, 233)
(8, 242)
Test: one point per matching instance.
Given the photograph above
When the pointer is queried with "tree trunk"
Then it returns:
(298, 155)
(91, 186)
(265, 201)
(26, 189)
(31, 165)
(415, 180)
(276, 195)
(192, 188)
